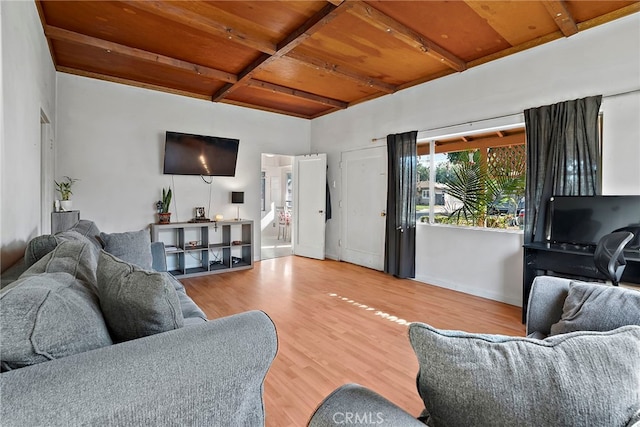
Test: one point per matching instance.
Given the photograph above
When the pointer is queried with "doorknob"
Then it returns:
(383, 213)
(320, 211)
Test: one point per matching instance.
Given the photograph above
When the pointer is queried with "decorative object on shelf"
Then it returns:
(200, 214)
(219, 217)
(164, 216)
(237, 198)
(64, 188)
(192, 244)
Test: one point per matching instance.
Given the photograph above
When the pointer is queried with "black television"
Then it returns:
(187, 154)
(583, 220)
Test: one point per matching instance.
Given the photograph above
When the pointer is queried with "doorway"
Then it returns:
(276, 205)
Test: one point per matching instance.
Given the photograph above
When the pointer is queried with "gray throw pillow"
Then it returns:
(89, 230)
(38, 247)
(132, 246)
(42, 245)
(73, 257)
(575, 379)
(49, 316)
(594, 307)
(135, 302)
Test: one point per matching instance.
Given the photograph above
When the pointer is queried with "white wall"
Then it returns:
(28, 86)
(603, 60)
(111, 137)
(621, 142)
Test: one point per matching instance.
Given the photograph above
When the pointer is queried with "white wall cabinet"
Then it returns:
(197, 249)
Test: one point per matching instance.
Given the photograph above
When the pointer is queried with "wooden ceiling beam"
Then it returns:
(296, 93)
(60, 34)
(134, 83)
(170, 11)
(312, 25)
(561, 15)
(400, 31)
(341, 71)
(446, 147)
(263, 108)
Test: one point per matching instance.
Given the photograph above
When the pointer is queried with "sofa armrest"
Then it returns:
(546, 300)
(159, 256)
(208, 374)
(355, 404)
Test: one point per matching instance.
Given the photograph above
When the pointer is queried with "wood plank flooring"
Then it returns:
(340, 323)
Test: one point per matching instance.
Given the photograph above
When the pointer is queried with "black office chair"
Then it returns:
(609, 256)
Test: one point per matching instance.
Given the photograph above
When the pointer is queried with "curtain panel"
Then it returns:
(400, 236)
(563, 158)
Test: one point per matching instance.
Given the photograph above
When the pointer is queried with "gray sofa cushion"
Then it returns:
(49, 316)
(38, 247)
(132, 246)
(75, 258)
(89, 230)
(594, 307)
(136, 302)
(580, 378)
(41, 245)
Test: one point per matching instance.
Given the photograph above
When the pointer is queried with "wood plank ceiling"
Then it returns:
(301, 58)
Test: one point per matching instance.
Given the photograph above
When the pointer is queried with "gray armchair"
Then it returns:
(475, 355)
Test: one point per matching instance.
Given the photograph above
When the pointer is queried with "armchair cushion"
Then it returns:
(135, 302)
(594, 307)
(132, 246)
(580, 378)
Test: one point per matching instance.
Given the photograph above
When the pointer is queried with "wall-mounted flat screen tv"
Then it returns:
(186, 154)
(583, 220)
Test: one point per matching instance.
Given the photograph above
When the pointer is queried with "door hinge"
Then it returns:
(339, 243)
(340, 204)
(340, 164)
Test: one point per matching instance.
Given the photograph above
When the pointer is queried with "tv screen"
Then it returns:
(584, 220)
(186, 154)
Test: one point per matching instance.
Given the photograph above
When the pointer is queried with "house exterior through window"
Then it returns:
(478, 179)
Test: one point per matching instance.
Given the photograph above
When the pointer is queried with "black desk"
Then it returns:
(568, 260)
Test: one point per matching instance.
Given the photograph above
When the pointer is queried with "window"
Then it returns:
(478, 180)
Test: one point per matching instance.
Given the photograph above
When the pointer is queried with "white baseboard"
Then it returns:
(496, 296)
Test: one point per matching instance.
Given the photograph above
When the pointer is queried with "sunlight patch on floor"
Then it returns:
(375, 312)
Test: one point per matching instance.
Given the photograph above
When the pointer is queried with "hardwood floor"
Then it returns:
(340, 323)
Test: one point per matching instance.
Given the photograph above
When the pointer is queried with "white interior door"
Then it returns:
(309, 203)
(364, 202)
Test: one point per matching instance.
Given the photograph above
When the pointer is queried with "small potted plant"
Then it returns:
(64, 188)
(164, 216)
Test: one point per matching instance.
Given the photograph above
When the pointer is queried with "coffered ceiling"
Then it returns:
(301, 58)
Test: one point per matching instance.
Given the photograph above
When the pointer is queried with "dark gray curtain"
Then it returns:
(563, 158)
(400, 239)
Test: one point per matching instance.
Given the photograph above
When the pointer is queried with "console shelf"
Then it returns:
(201, 248)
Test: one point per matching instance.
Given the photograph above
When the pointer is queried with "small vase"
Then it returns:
(66, 205)
(164, 218)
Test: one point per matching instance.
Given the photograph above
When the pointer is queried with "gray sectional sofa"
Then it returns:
(96, 332)
(579, 366)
